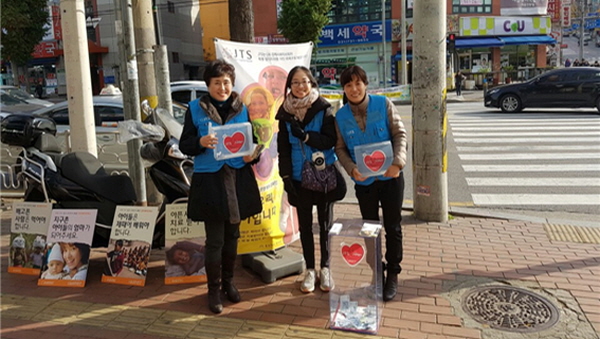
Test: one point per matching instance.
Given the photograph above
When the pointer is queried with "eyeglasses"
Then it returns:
(298, 84)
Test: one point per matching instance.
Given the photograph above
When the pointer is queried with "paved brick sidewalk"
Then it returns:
(440, 261)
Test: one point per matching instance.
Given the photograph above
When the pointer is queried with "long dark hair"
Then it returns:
(293, 71)
(218, 68)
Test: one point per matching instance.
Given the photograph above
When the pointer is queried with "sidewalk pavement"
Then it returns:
(442, 262)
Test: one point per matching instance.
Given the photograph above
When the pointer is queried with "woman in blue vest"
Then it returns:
(307, 128)
(367, 119)
(222, 192)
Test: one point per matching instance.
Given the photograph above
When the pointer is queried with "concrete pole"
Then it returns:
(429, 120)
(131, 94)
(79, 82)
(582, 6)
(403, 45)
(145, 39)
(384, 59)
(161, 69)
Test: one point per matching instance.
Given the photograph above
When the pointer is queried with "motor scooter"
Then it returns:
(77, 180)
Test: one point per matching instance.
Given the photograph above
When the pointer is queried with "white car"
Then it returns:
(187, 90)
(15, 100)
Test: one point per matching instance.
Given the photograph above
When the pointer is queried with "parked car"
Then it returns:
(108, 111)
(187, 90)
(15, 100)
(570, 87)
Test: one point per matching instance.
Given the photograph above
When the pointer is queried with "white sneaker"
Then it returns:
(308, 285)
(326, 280)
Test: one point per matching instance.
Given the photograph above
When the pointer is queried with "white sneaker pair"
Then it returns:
(308, 285)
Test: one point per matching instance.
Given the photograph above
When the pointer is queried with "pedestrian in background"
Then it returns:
(568, 62)
(458, 80)
(307, 131)
(39, 89)
(367, 119)
(222, 192)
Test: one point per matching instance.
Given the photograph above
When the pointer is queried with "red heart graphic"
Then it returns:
(353, 254)
(235, 142)
(374, 161)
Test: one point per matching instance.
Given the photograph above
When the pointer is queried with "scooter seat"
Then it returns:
(86, 170)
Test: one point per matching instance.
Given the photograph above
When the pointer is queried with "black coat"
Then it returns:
(322, 140)
(208, 193)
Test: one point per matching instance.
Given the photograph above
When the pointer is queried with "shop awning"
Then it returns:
(528, 40)
(479, 42)
(398, 57)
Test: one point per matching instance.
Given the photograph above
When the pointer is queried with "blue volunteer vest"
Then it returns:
(205, 162)
(297, 156)
(376, 130)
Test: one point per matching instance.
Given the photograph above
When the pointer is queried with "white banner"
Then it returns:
(261, 72)
(523, 7)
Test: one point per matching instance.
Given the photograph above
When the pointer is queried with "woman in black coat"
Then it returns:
(223, 192)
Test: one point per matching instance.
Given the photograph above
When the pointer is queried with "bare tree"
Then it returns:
(241, 20)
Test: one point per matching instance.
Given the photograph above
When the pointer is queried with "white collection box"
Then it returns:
(355, 301)
(374, 159)
(235, 140)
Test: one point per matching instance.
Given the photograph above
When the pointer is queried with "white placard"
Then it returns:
(72, 226)
(31, 217)
(134, 223)
(178, 226)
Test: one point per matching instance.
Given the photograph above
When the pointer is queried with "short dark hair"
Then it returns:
(218, 68)
(119, 243)
(353, 71)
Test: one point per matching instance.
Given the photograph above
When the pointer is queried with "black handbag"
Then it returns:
(313, 179)
(324, 180)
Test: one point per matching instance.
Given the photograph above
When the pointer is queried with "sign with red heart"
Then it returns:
(374, 161)
(234, 142)
(353, 254)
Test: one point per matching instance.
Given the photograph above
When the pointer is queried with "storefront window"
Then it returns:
(343, 11)
(467, 7)
(331, 62)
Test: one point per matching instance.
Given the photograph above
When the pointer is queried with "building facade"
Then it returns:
(177, 26)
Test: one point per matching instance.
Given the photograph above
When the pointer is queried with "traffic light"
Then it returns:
(451, 42)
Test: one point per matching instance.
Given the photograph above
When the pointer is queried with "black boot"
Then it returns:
(229, 288)
(391, 286)
(213, 276)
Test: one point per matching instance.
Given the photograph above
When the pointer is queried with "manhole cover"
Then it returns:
(510, 309)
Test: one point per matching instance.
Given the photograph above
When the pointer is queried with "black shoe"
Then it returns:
(214, 301)
(391, 287)
(231, 292)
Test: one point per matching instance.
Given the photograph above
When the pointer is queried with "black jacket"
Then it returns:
(322, 140)
(210, 196)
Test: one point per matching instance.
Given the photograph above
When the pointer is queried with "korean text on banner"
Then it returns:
(261, 73)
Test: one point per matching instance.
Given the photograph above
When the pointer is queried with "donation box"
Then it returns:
(355, 301)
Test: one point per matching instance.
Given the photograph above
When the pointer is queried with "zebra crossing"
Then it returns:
(530, 159)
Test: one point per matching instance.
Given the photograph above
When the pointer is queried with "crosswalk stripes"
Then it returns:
(529, 159)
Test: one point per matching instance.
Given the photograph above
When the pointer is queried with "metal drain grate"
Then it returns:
(510, 309)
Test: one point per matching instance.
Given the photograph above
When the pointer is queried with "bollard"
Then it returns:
(485, 86)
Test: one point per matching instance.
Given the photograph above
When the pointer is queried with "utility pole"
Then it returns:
(383, 58)
(403, 44)
(145, 39)
(429, 120)
(79, 82)
(161, 70)
(131, 94)
(582, 6)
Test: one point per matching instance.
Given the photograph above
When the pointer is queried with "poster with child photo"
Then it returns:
(184, 245)
(129, 246)
(69, 240)
(28, 228)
